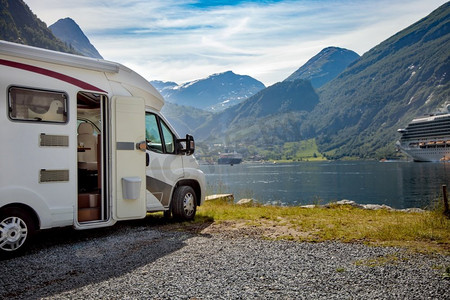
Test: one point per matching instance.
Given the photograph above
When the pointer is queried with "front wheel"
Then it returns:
(184, 203)
(16, 227)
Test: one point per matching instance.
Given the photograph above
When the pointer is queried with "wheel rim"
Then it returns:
(13, 233)
(189, 204)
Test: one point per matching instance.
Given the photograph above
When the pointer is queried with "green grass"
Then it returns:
(425, 232)
(390, 259)
(306, 150)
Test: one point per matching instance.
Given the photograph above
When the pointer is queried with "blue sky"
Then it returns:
(184, 40)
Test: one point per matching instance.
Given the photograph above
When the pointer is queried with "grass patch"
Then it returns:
(446, 274)
(427, 232)
(305, 150)
(379, 261)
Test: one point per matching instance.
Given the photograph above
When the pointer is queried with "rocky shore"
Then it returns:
(249, 201)
(144, 260)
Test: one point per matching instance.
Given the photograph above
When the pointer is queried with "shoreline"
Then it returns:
(250, 201)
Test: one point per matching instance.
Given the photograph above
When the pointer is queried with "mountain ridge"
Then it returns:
(324, 66)
(18, 24)
(213, 93)
(68, 31)
(387, 87)
(361, 109)
(252, 114)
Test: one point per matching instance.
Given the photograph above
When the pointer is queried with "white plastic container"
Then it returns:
(131, 187)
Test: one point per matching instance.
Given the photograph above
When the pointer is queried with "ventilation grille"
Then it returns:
(54, 175)
(48, 140)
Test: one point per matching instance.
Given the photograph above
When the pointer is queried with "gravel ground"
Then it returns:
(145, 261)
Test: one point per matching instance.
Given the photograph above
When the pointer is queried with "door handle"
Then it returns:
(141, 146)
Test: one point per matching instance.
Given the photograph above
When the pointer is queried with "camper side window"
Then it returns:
(158, 136)
(169, 141)
(37, 105)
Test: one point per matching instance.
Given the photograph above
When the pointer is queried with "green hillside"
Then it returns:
(18, 24)
(271, 117)
(405, 76)
(185, 119)
(358, 113)
(324, 66)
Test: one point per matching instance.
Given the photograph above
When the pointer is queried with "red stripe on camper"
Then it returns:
(42, 71)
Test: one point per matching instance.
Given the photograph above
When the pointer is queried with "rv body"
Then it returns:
(84, 145)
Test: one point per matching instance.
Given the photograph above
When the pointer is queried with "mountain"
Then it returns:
(324, 66)
(273, 116)
(70, 33)
(213, 93)
(281, 97)
(163, 85)
(18, 24)
(356, 114)
(185, 119)
(405, 76)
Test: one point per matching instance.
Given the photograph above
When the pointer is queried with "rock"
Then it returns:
(413, 210)
(245, 202)
(364, 206)
(309, 206)
(344, 202)
(376, 207)
(223, 197)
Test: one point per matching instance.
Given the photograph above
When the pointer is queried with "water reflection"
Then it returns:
(397, 184)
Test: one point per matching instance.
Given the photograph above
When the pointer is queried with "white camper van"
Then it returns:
(83, 144)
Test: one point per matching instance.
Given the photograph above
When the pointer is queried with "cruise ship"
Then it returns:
(427, 138)
(229, 158)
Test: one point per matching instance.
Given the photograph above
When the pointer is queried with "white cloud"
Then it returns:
(171, 40)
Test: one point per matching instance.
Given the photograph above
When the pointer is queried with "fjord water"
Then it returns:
(397, 184)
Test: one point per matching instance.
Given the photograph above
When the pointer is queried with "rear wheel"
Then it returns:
(184, 203)
(16, 228)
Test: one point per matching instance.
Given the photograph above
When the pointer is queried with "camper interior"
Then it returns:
(91, 111)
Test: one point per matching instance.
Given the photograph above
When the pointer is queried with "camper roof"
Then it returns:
(130, 80)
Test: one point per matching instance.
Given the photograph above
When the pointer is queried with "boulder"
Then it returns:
(344, 202)
(413, 210)
(223, 197)
(245, 202)
(309, 206)
(376, 206)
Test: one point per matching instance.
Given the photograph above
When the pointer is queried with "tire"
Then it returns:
(184, 203)
(16, 228)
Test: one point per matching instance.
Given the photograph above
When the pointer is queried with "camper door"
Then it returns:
(128, 145)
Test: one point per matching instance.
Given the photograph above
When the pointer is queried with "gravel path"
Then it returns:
(142, 261)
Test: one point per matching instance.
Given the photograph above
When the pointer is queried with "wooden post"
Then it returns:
(444, 194)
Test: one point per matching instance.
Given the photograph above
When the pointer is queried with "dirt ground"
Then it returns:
(241, 228)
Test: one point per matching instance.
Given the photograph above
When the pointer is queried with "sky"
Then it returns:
(185, 40)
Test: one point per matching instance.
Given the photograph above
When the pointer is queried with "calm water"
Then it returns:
(397, 184)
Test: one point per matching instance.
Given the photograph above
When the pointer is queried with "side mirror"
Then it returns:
(187, 145)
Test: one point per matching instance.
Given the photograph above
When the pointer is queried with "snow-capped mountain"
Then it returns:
(214, 93)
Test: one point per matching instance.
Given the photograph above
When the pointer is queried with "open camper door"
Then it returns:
(128, 139)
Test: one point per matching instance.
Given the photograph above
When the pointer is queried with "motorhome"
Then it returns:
(83, 144)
